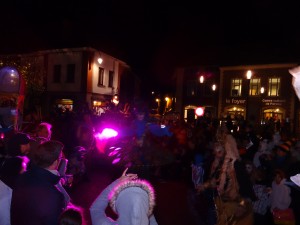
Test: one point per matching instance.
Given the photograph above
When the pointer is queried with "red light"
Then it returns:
(199, 111)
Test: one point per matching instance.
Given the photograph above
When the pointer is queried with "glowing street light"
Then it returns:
(201, 79)
(100, 60)
(249, 74)
(214, 87)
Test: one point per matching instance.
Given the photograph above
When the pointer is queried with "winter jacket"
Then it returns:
(36, 199)
(133, 201)
(5, 199)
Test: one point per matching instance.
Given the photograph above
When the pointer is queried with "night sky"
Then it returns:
(154, 36)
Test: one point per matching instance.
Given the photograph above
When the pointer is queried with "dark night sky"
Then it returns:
(153, 36)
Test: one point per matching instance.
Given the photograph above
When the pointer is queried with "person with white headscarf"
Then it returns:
(132, 199)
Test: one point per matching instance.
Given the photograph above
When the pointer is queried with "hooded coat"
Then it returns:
(133, 201)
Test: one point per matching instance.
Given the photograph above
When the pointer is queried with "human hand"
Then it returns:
(129, 176)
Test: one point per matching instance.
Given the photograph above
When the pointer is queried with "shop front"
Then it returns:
(260, 110)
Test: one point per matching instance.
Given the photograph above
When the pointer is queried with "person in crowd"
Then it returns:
(72, 215)
(18, 144)
(43, 132)
(38, 196)
(228, 186)
(211, 182)
(139, 127)
(253, 144)
(77, 164)
(261, 204)
(280, 195)
(234, 188)
(10, 169)
(85, 132)
(132, 199)
(282, 157)
(281, 199)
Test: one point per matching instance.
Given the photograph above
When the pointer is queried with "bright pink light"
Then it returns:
(106, 133)
(113, 153)
(116, 161)
(101, 138)
(199, 111)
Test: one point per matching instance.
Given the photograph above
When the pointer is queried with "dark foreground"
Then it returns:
(173, 195)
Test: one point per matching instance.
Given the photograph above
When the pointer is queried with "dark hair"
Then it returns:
(10, 168)
(14, 143)
(46, 153)
(72, 216)
(43, 125)
(279, 172)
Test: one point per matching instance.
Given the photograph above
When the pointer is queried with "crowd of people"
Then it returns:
(239, 176)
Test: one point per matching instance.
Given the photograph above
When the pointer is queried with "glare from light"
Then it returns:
(262, 90)
(100, 60)
(214, 87)
(201, 79)
(249, 74)
(115, 161)
(106, 133)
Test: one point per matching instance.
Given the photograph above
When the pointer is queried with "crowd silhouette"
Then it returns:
(236, 173)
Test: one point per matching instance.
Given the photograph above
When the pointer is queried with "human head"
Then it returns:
(249, 166)
(279, 175)
(133, 201)
(284, 149)
(73, 215)
(18, 144)
(44, 130)
(11, 167)
(47, 153)
(296, 179)
(222, 131)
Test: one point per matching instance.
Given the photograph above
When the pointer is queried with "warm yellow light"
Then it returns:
(100, 60)
(167, 99)
(262, 90)
(249, 74)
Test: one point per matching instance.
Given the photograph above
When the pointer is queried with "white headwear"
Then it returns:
(296, 179)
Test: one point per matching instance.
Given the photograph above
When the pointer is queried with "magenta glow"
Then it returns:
(106, 133)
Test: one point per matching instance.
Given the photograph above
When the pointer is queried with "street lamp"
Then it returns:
(214, 87)
(248, 76)
(262, 91)
(100, 60)
(167, 99)
(201, 79)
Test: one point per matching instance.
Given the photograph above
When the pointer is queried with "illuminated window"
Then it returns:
(236, 87)
(274, 86)
(254, 87)
(101, 76)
